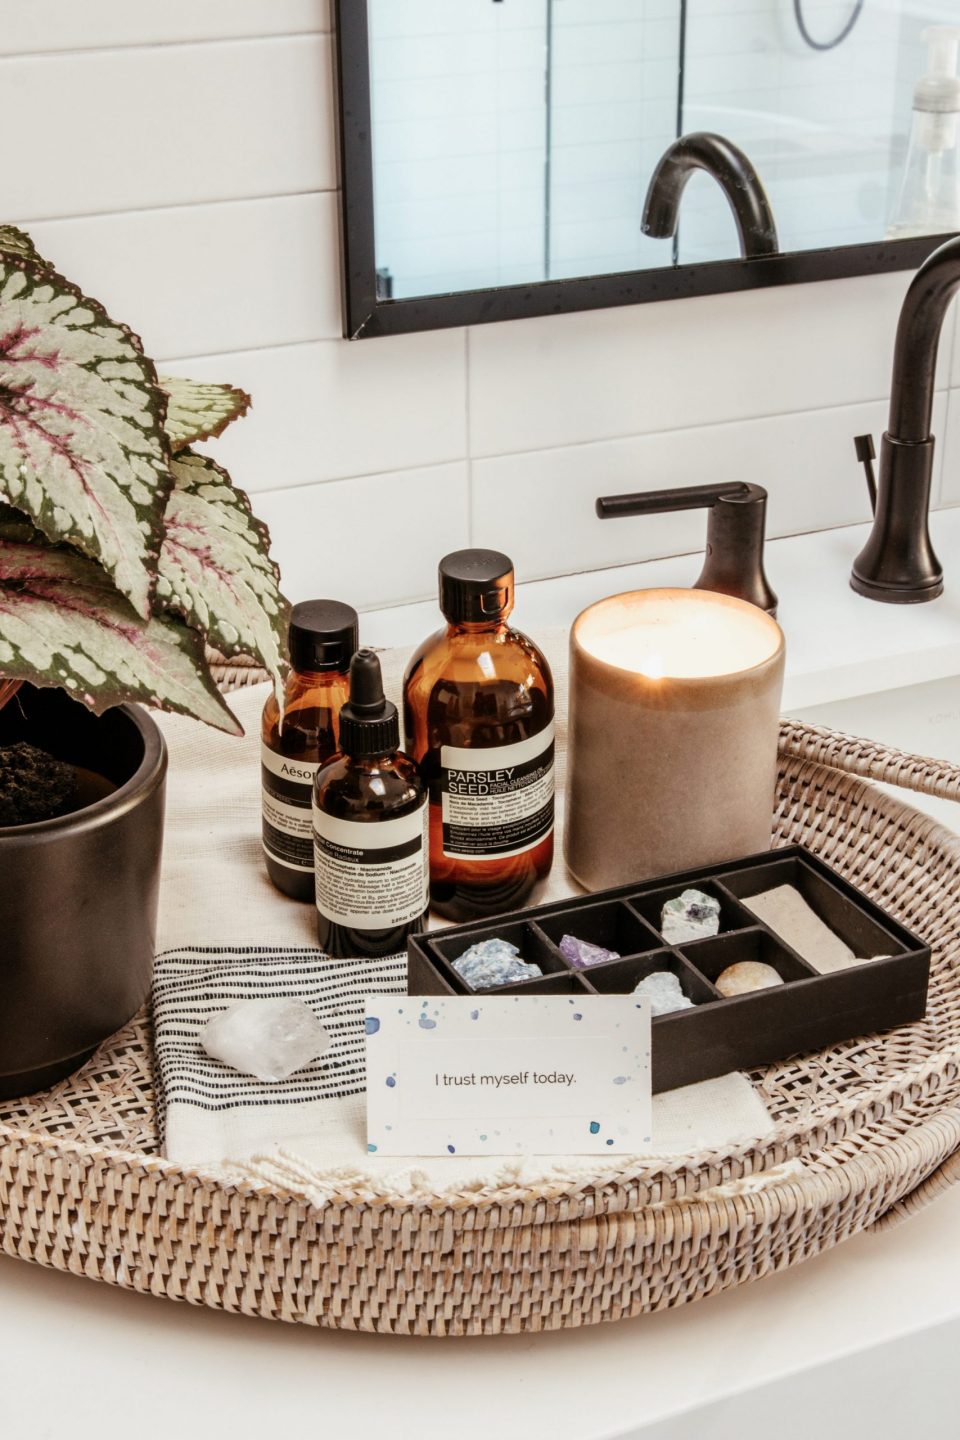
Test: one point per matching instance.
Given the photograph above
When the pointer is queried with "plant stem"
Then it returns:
(8, 688)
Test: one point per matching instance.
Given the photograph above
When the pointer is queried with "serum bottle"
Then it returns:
(296, 741)
(479, 721)
(369, 829)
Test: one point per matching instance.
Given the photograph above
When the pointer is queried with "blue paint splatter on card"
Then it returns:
(594, 1127)
(620, 1079)
(452, 1149)
(577, 1016)
(426, 1023)
(391, 1081)
(371, 1025)
(370, 1149)
(483, 1137)
(474, 1014)
(609, 1142)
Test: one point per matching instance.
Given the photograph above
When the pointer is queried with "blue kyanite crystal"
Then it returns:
(494, 962)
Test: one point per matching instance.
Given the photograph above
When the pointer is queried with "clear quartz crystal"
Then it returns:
(582, 953)
(662, 989)
(690, 916)
(270, 1039)
(494, 962)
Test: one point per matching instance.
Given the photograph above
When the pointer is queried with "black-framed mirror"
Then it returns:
(496, 154)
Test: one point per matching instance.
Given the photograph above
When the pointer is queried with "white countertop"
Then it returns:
(861, 1340)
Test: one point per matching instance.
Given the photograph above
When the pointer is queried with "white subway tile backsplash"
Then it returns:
(540, 506)
(373, 540)
(330, 410)
(172, 125)
(51, 25)
(949, 446)
(200, 279)
(182, 169)
(646, 368)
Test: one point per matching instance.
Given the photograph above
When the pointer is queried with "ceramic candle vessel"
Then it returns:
(674, 711)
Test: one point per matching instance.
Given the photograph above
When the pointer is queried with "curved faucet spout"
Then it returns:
(898, 563)
(736, 177)
(918, 339)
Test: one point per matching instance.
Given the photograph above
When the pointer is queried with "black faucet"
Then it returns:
(736, 526)
(736, 177)
(898, 563)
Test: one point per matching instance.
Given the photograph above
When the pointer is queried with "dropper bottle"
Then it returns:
(370, 829)
(928, 200)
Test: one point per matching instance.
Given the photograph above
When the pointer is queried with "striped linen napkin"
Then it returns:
(209, 1112)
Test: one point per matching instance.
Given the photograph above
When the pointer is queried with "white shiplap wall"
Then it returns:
(177, 160)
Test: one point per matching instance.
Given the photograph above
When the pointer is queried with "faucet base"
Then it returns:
(898, 564)
(896, 594)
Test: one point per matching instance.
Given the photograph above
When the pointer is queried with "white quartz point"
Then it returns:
(270, 1039)
(662, 989)
(690, 916)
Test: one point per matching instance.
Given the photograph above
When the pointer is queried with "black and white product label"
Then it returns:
(497, 802)
(372, 875)
(287, 790)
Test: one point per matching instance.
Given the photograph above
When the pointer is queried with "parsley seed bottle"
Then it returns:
(322, 638)
(369, 829)
(479, 721)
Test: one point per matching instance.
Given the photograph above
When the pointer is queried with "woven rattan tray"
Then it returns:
(875, 1122)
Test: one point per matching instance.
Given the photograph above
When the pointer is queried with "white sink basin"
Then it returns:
(923, 719)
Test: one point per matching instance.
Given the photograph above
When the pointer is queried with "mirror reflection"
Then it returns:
(516, 140)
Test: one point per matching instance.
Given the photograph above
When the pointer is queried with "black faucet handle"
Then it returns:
(736, 529)
(866, 454)
(658, 502)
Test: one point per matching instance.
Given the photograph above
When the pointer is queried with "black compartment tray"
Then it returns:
(810, 1011)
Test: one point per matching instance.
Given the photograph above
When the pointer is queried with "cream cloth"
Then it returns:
(215, 892)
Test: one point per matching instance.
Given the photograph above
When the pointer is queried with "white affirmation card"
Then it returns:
(508, 1075)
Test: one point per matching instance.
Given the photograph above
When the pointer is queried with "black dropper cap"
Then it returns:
(476, 585)
(323, 635)
(368, 721)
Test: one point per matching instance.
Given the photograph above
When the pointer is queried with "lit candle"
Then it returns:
(674, 713)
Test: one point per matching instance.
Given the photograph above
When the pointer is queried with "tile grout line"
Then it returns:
(174, 205)
(692, 426)
(358, 475)
(466, 438)
(80, 51)
(177, 205)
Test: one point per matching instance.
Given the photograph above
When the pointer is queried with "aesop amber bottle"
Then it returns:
(369, 828)
(478, 719)
(322, 638)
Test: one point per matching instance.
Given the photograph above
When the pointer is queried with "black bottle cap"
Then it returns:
(368, 721)
(323, 635)
(476, 585)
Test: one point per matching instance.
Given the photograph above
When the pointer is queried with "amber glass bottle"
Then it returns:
(369, 829)
(322, 638)
(478, 719)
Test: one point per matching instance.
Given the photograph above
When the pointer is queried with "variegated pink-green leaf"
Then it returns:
(215, 566)
(198, 411)
(82, 446)
(14, 525)
(63, 624)
(18, 242)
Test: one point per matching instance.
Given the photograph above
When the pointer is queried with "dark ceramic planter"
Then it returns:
(78, 894)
